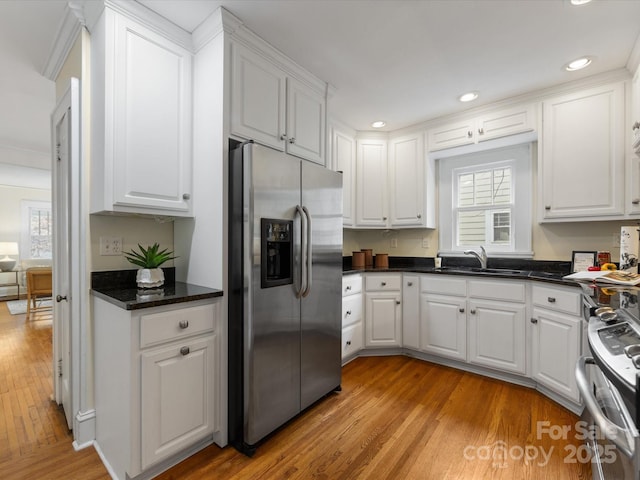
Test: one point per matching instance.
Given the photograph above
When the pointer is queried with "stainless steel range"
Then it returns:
(609, 380)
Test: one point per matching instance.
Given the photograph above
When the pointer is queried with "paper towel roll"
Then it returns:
(629, 247)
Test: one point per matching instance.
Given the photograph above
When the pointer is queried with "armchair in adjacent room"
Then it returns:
(39, 286)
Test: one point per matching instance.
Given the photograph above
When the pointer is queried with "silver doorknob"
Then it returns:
(461, 310)
(59, 298)
(184, 351)
(534, 320)
(186, 196)
(183, 324)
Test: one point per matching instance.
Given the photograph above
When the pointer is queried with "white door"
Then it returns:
(65, 132)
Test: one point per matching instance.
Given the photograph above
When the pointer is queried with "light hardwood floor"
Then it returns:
(396, 418)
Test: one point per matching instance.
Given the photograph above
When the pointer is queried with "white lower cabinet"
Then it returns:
(411, 311)
(556, 339)
(156, 384)
(352, 318)
(443, 325)
(383, 310)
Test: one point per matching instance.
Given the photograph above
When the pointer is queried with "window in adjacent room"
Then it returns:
(485, 199)
(37, 234)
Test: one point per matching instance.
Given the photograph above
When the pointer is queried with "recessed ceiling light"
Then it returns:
(468, 97)
(378, 124)
(579, 2)
(578, 64)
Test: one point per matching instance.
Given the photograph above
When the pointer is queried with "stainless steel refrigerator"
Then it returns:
(285, 277)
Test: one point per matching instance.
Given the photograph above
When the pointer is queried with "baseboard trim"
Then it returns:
(84, 429)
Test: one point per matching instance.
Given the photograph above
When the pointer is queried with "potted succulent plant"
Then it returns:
(149, 260)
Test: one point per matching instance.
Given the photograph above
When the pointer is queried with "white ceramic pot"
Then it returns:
(150, 277)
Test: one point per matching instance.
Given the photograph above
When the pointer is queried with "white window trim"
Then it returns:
(519, 158)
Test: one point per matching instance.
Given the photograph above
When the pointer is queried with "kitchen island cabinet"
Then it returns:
(157, 384)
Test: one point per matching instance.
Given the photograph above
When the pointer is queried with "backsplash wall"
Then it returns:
(550, 241)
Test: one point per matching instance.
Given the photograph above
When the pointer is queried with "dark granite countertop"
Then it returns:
(544, 271)
(118, 288)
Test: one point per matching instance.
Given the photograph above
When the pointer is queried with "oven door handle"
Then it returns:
(618, 435)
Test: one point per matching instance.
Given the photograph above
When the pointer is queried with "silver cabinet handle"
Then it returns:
(481, 131)
(384, 218)
(186, 196)
(410, 284)
(283, 136)
(184, 351)
(551, 300)
(636, 201)
(59, 298)
(348, 288)
(547, 207)
(348, 312)
(461, 310)
(472, 311)
(469, 134)
(534, 320)
(383, 284)
(397, 302)
(292, 140)
(348, 342)
(183, 324)
(419, 216)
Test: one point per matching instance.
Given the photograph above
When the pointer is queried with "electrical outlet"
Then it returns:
(394, 243)
(425, 242)
(110, 245)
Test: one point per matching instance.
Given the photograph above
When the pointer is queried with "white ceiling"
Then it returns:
(400, 61)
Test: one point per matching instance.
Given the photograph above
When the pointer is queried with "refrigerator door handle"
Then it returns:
(303, 251)
(309, 257)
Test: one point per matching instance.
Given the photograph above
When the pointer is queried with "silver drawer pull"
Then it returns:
(348, 342)
(534, 320)
(461, 310)
(551, 299)
(397, 302)
(410, 284)
(348, 312)
(184, 324)
(184, 351)
(384, 284)
(472, 311)
(348, 288)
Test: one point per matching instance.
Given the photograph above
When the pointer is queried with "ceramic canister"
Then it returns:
(368, 257)
(357, 260)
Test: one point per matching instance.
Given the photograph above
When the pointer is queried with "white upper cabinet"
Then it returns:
(371, 184)
(141, 102)
(258, 100)
(492, 125)
(635, 112)
(275, 109)
(343, 154)
(407, 185)
(583, 155)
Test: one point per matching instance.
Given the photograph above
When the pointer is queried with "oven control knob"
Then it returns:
(632, 350)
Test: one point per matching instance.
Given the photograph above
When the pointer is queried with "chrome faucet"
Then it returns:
(482, 256)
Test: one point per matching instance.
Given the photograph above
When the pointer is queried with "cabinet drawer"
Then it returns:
(510, 291)
(383, 283)
(351, 309)
(351, 284)
(167, 326)
(443, 284)
(556, 299)
(352, 339)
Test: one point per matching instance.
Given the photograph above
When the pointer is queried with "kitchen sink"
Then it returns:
(488, 271)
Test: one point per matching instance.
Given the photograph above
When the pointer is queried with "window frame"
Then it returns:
(519, 159)
(25, 231)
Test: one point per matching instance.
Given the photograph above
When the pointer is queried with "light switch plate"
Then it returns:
(110, 245)
(394, 243)
(425, 242)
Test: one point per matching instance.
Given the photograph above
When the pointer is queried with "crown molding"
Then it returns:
(220, 21)
(68, 31)
(634, 59)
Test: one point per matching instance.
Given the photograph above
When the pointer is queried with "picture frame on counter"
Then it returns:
(581, 260)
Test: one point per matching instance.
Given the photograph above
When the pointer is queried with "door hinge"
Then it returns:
(58, 152)
(59, 368)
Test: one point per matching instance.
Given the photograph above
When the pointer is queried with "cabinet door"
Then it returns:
(177, 397)
(371, 173)
(411, 311)
(443, 326)
(635, 111)
(352, 340)
(633, 186)
(452, 135)
(582, 164)
(306, 119)
(407, 182)
(497, 335)
(150, 145)
(344, 160)
(555, 351)
(505, 122)
(383, 320)
(258, 98)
